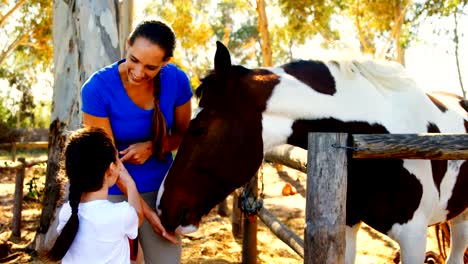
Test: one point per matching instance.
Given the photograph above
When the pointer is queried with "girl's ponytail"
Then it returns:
(68, 234)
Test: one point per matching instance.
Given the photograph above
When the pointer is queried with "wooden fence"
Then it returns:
(20, 168)
(324, 232)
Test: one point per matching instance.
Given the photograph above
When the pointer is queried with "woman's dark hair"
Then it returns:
(162, 35)
(88, 154)
(157, 33)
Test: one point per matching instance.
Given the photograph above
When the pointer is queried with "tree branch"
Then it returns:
(11, 11)
(13, 46)
(395, 29)
(359, 30)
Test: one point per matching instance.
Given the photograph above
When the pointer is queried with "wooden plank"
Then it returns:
(411, 146)
(325, 233)
(282, 231)
(35, 144)
(288, 155)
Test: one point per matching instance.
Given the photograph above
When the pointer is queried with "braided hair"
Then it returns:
(88, 154)
(162, 35)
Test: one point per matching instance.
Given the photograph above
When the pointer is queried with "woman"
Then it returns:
(143, 103)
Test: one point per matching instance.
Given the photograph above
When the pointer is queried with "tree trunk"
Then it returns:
(126, 19)
(457, 57)
(85, 36)
(264, 33)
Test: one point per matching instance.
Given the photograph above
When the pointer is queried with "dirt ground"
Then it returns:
(214, 242)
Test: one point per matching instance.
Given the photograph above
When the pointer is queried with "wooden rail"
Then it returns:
(411, 146)
(23, 145)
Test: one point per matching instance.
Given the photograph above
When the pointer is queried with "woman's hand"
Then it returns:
(137, 153)
(154, 220)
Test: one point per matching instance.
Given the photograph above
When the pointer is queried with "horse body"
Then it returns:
(246, 112)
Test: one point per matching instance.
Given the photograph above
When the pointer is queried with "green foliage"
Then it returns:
(189, 21)
(35, 192)
(27, 53)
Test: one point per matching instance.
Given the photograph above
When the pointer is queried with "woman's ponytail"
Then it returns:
(158, 126)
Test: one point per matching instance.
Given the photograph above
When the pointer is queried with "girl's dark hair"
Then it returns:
(162, 35)
(88, 154)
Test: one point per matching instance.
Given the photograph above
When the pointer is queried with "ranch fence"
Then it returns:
(20, 168)
(326, 168)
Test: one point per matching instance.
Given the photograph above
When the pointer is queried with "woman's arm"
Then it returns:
(155, 222)
(102, 122)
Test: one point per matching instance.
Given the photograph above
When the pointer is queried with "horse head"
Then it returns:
(223, 146)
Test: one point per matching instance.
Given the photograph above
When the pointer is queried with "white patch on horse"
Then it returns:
(197, 111)
(351, 238)
(183, 230)
(276, 130)
(447, 185)
(367, 103)
(160, 193)
(411, 237)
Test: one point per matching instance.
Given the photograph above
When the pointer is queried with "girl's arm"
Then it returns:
(128, 187)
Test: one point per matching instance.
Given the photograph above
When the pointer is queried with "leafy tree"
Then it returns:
(190, 23)
(27, 50)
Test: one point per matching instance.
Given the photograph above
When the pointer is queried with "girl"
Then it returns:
(92, 229)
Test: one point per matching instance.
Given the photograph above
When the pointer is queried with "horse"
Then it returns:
(245, 112)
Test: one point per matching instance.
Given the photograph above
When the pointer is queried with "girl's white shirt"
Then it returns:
(103, 233)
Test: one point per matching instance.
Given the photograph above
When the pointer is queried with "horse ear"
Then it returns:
(222, 60)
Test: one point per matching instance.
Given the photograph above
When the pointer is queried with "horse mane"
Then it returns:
(385, 75)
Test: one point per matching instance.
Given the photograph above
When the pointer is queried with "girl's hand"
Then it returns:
(154, 220)
(124, 181)
(137, 153)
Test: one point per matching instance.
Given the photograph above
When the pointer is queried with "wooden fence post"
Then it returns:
(325, 233)
(13, 151)
(18, 199)
(236, 215)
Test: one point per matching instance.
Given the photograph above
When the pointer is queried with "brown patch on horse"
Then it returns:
(302, 127)
(437, 103)
(313, 73)
(458, 202)
(439, 167)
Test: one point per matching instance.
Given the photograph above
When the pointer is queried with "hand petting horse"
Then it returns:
(244, 112)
